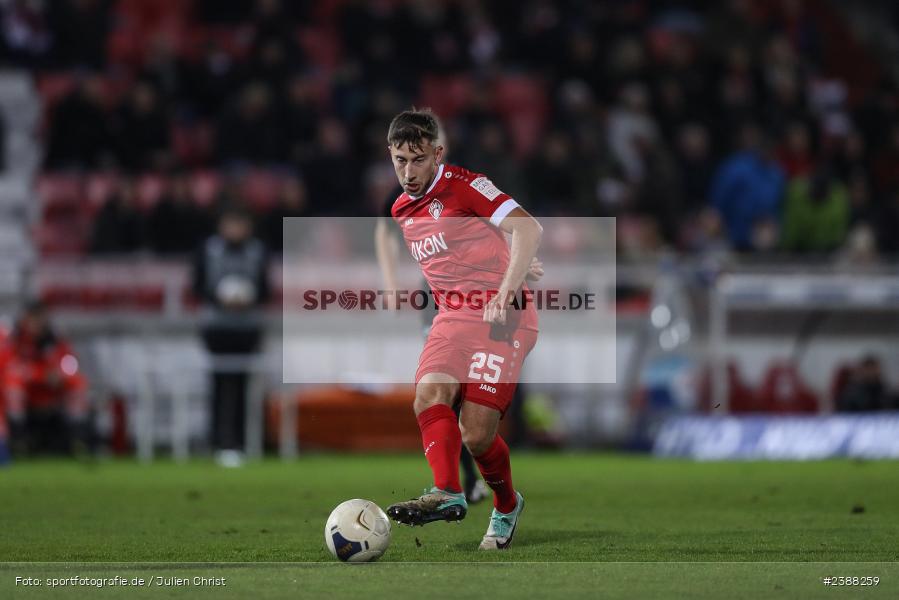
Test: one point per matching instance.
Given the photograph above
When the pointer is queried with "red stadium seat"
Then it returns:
(53, 87)
(63, 239)
(740, 397)
(99, 187)
(784, 391)
(259, 188)
(235, 41)
(522, 102)
(205, 186)
(321, 45)
(192, 143)
(56, 189)
(446, 94)
(149, 189)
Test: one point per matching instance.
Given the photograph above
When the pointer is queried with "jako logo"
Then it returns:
(487, 388)
(428, 449)
(428, 247)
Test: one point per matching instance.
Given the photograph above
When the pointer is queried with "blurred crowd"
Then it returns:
(746, 125)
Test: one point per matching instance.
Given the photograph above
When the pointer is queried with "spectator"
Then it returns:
(888, 224)
(490, 154)
(46, 392)
(550, 185)
(747, 190)
(694, 152)
(250, 131)
(682, 78)
(81, 136)
(738, 93)
(333, 188)
(269, 61)
(231, 279)
(865, 390)
(659, 193)
(816, 213)
(631, 129)
(25, 35)
(209, 81)
(176, 224)
(299, 119)
(886, 175)
(119, 225)
(143, 131)
(292, 202)
(795, 154)
(80, 29)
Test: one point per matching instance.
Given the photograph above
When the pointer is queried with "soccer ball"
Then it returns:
(357, 531)
(235, 290)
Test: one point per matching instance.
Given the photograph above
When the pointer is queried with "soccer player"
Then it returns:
(386, 249)
(454, 222)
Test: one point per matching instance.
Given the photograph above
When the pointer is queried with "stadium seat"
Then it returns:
(99, 187)
(205, 185)
(784, 391)
(522, 101)
(53, 87)
(193, 143)
(321, 46)
(446, 95)
(740, 396)
(60, 188)
(260, 188)
(149, 188)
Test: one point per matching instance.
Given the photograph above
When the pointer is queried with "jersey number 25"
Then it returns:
(478, 361)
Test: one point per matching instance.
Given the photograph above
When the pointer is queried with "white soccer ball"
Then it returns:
(357, 531)
(236, 290)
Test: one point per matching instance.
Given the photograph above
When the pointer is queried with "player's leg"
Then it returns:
(479, 424)
(479, 433)
(435, 396)
(474, 488)
(441, 439)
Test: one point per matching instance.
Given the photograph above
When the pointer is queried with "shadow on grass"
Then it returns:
(550, 537)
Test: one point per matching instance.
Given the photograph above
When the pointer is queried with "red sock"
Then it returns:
(497, 472)
(442, 441)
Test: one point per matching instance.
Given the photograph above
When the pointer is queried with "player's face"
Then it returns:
(415, 168)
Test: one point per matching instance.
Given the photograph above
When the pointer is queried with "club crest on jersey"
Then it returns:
(435, 209)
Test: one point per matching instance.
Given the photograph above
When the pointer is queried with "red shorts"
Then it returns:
(485, 361)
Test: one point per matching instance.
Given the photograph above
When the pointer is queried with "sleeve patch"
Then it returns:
(486, 188)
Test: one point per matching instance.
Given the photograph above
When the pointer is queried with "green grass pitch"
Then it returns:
(628, 526)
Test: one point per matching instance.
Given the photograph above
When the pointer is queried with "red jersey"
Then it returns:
(452, 231)
(46, 370)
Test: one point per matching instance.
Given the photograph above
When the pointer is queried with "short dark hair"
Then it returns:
(235, 212)
(413, 127)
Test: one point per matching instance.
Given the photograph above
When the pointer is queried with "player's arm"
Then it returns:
(526, 234)
(387, 251)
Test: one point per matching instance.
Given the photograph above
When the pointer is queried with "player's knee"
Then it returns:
(431, 394)
(476, 439)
